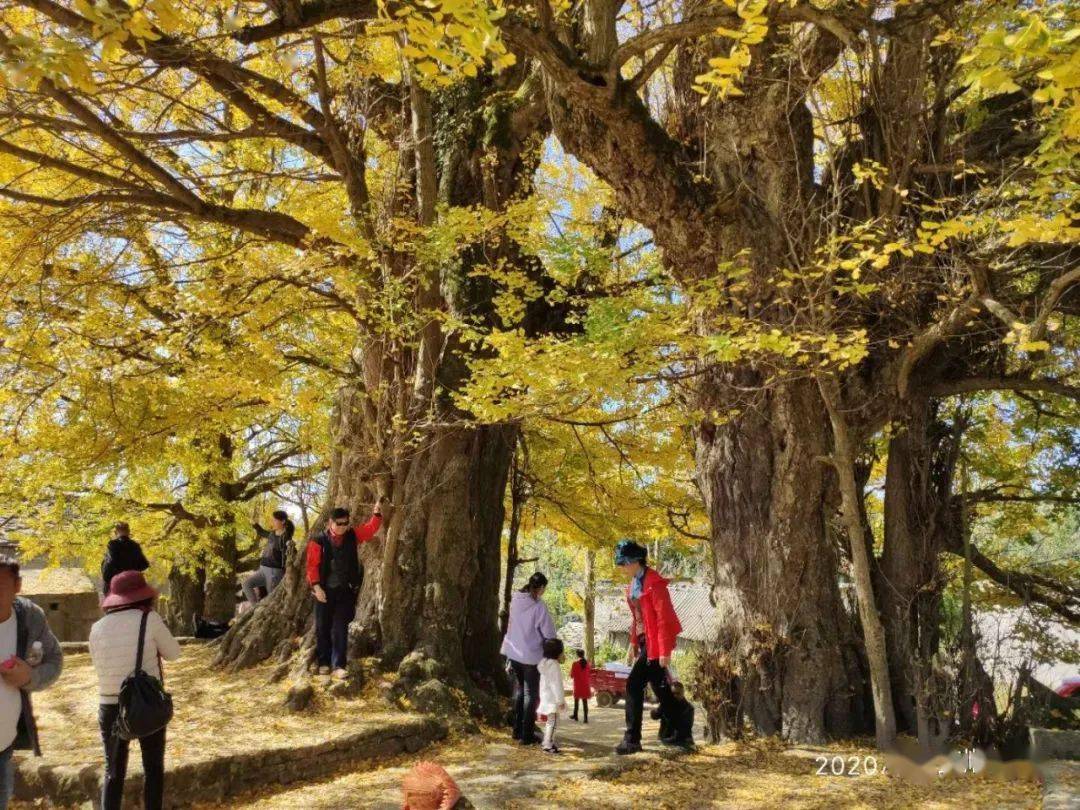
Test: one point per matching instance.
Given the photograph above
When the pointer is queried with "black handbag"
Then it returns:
(145, 706)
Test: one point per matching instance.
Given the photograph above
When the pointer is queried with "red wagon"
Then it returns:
(609, 685)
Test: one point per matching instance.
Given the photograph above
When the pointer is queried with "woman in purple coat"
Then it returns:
(530, 624)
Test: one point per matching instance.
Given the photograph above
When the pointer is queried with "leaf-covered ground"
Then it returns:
(219, 713)
(496, 775)
(216, 712)
(757, 775)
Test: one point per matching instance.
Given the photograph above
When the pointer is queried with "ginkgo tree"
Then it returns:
(363, 179)
(877, 197)
(156, 388)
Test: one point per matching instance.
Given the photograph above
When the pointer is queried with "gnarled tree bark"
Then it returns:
(765, 488)
(431, 595)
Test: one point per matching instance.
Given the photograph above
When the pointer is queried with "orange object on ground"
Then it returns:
(429, 787)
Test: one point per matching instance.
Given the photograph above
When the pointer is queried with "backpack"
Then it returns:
(145, 706)
(204, 628)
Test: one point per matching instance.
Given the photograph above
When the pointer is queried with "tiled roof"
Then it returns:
(59, 580)
(691, 601)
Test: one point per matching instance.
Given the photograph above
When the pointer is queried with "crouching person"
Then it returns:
(30, 659)
(677, 729)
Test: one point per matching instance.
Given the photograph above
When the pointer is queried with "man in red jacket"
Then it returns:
(335, 574)
(653, 630)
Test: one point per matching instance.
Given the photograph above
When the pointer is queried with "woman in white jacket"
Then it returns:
(552, 691)
(114, 641)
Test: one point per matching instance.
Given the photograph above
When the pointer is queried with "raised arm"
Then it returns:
(367, 531)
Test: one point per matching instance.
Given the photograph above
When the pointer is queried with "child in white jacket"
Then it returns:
(552, 693)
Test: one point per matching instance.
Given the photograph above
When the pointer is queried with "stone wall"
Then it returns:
(225, 777)
(69, 614)
(1051, 743)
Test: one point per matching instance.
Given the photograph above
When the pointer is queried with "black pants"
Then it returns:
(116, 761)
(526, 700)
(645, 672)
(585, 703)
(332, 619)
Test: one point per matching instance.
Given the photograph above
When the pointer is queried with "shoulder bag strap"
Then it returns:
(142, 640)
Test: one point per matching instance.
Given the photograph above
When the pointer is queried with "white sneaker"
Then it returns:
(324, 670)
(341, 674)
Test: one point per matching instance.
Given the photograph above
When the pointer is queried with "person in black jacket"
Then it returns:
(122, 554)
(274, 556)
(335, 574)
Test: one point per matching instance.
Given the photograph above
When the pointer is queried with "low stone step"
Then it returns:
(75, 647)
(222, 778)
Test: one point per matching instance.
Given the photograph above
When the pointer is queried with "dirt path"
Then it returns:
(497, 775)
(492, 771)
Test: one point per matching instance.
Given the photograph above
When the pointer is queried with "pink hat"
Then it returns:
(127, 588)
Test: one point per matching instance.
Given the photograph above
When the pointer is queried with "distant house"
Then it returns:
(68, 597)
(66, 593)
(692, 603)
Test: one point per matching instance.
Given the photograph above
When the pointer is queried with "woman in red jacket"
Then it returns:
(653, 630)
(579, 674)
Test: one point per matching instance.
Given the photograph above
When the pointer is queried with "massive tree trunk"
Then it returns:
(221, 584)
(765, 488)
(430, 600)
(918, 480)
(187, 599)
(727, 192)
(440, 576)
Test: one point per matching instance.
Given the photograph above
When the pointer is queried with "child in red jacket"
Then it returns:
(653, 630)
(579, 674)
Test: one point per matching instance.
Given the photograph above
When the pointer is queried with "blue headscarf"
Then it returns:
(637, 584)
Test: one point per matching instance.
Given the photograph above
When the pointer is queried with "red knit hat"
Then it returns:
(127, 588)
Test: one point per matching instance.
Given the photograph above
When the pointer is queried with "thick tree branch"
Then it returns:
(349, 164)
(267, 464)
(706, 24)
(933, 336)
(969, 385)
(994, 496)
(226, 77)
(308, 15)
(86, 173)
(1058, 288)
(1030, 587)
(269, 484)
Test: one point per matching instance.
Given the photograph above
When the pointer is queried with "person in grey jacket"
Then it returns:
(273, 559)
(30, 660)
